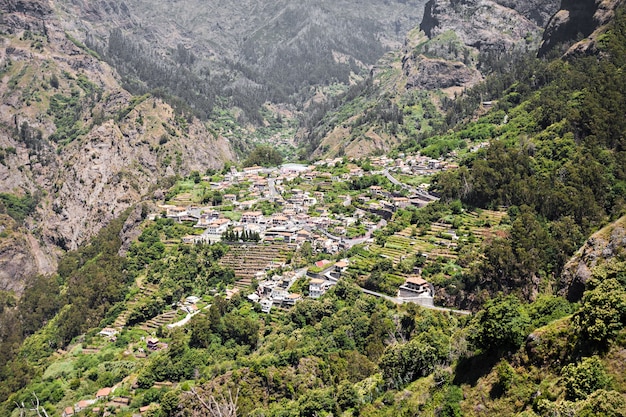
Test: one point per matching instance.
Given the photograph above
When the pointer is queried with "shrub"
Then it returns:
(602, 314)
(584, 378)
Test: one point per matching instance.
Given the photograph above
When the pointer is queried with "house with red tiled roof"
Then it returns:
(83, 404)
(323, 263)
(103, 392)
(418, 290)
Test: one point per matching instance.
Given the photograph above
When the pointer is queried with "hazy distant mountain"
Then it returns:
(251, 50)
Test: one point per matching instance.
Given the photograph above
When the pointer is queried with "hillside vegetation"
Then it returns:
(533, 172)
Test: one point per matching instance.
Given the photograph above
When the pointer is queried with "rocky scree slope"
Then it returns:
(75, 141)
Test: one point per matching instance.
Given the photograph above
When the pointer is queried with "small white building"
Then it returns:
(418, 290)
(318, 287)
(108, 332)
(217, 227)
(192, 299)
(266, 305)
(254, 217)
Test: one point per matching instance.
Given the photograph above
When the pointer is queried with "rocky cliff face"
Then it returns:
(575, 20)
(72, 137)
(603, 256)
(459, 31)
(481, 23)
(446, 53)
(21, 256)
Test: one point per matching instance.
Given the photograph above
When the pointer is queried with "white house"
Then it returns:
(217, 227)
(251, 217)
(318, 287)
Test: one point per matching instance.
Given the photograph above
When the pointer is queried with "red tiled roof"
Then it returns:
(103, 392)
(416, 280)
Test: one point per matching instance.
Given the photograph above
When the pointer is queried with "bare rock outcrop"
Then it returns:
(576, 20)
(433, 73)
(131, 228)
(482, 24)
(21, 257)
(537, 11)
(602, 256)
(460, 31)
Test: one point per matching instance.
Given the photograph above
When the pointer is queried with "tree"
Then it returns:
(169, 403)
(404, 363)
(501, 325)
(316, 402)
(584, 378)
(218, 407)
(264, 155)
(347, 396)
(54, 81)
(604, 403)
(603, 313)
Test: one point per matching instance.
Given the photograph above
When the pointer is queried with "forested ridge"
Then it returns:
(556, 159)
(203, 54)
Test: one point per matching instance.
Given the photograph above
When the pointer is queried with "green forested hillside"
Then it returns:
(550, 151)
(556, 158)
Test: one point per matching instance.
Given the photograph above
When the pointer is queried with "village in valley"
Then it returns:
(293, 232)
(328, 208)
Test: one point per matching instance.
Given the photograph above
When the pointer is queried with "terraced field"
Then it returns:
(247, 260)
(440, 240)
(145, 292)
(158, 321)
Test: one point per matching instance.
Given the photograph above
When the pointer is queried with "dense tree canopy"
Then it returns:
(263, 155)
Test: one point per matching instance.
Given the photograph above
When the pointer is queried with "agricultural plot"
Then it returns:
(247, 260)
(145, 292)
(437, 245)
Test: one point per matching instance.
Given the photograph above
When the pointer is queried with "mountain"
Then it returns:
(77, 149)
(252, 51)
(82, 141)
(458, 44)
(532, 198)
(577, 21)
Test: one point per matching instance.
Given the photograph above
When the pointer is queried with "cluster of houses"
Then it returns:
(104, 401)
(294, 223)
(274, 292)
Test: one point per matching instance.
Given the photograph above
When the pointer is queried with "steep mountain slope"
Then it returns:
(76, 143)
(577, 21)
(552, 151)
(602, 257)
(250, 51)
(459, 43)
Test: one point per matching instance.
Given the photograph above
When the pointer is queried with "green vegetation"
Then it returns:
(557, 164)
(67, 116)
(18, 207)
(510, 217)
(263, 155)
(90, 281)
